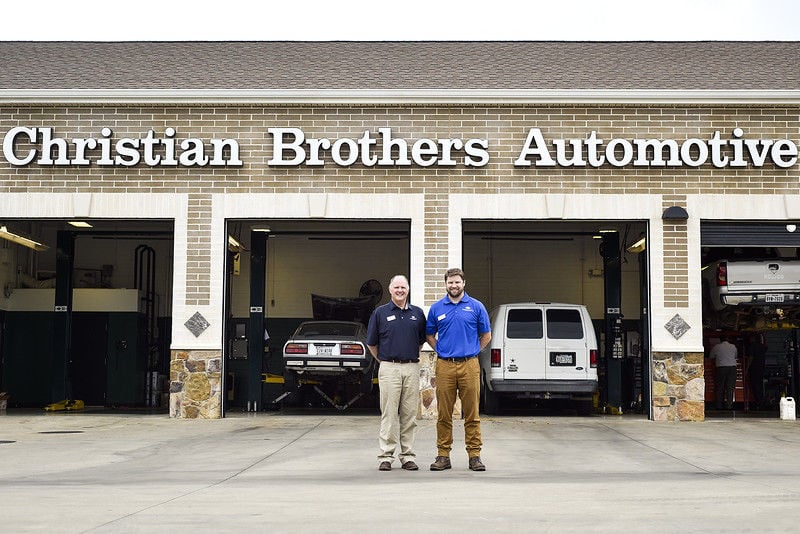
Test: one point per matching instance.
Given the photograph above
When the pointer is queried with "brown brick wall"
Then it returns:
(676, 259)
(506, 128)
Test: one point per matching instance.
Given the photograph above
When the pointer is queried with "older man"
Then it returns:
(395, 335)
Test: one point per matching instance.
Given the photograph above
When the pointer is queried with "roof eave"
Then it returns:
(397, 96)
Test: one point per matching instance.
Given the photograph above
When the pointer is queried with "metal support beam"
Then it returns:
(255, 338)
(614, 346)
(61, 385)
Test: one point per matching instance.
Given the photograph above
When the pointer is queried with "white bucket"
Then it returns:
(787, 408)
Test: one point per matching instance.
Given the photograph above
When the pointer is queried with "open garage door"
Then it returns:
(751, 296)
(283, 272)
(749, 234)
(592, 263)
(87, 313)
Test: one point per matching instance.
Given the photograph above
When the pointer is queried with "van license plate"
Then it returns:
(562, 358)
(774, 297)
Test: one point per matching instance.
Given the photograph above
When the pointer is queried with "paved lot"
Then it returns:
(317, 472)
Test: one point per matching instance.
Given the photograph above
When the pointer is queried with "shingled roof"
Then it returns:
(451, 65)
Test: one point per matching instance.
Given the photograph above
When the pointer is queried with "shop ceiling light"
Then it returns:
(638, 247)
(20, 240)
(80, 224)
(233, 244)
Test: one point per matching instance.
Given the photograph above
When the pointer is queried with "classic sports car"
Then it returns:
(321, 350)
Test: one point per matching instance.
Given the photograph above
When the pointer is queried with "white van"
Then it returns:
(541, 350)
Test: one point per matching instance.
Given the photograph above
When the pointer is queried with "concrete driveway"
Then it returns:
(317, 472)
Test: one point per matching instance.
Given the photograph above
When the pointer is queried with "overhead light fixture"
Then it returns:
(20, 240)
(675, 213)
(233, 244)
(638, 247)
(79, 224)
(265, 230)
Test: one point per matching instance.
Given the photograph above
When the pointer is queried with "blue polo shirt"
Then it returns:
(397, 332)
(458, 326)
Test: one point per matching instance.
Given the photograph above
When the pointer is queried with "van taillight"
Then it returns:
(722, 274)
(593, 358)
(495, 357)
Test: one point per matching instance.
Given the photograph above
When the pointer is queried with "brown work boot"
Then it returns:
(475, 464)
(441, 463)
(385, 466)
(410, 466)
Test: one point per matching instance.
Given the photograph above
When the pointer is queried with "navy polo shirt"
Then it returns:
(397, 332)
(458, 326)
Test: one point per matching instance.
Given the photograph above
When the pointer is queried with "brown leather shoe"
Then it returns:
(410, 466)
(441, 463)
(475, 464)
(385, 466)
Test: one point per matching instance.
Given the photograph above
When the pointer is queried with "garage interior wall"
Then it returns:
(566, 270)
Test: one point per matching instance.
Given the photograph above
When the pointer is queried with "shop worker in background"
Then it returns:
(724, 355)
(395, 335)
(457, 329)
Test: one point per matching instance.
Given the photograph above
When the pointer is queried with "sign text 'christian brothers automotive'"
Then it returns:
(291, 148)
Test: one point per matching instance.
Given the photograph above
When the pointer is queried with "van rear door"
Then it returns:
(524, 344)
(567, 354)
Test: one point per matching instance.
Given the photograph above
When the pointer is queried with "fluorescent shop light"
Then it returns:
(20, 240)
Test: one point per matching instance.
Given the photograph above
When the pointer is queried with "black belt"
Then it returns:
(401, 361)
(458, 359)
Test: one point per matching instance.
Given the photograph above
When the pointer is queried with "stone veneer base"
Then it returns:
(195, 383)
(678, 386)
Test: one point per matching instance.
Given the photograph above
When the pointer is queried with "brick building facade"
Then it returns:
(434, 198)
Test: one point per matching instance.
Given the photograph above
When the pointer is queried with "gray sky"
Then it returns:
(381, 20)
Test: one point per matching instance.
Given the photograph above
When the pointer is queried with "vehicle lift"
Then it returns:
(269, 378)
(255, 343)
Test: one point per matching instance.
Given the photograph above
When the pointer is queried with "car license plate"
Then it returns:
(324, 351)
(774, 297)
(562, 358)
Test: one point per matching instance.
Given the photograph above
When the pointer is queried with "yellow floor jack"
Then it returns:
(65, 405)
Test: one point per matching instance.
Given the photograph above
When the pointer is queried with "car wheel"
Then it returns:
(489, 401)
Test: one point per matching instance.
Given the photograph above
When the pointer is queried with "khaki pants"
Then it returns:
(399, 398)
(462, 379)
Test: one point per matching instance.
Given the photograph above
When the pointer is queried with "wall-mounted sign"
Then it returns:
(292, 147)
(693, 152)
(24, 146)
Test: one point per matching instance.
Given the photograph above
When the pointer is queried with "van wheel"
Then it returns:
(584, 407)
(490, 402)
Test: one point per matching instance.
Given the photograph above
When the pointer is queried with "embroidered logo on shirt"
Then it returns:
(467, 308)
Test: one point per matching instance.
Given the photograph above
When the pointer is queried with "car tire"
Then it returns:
(489, 401)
